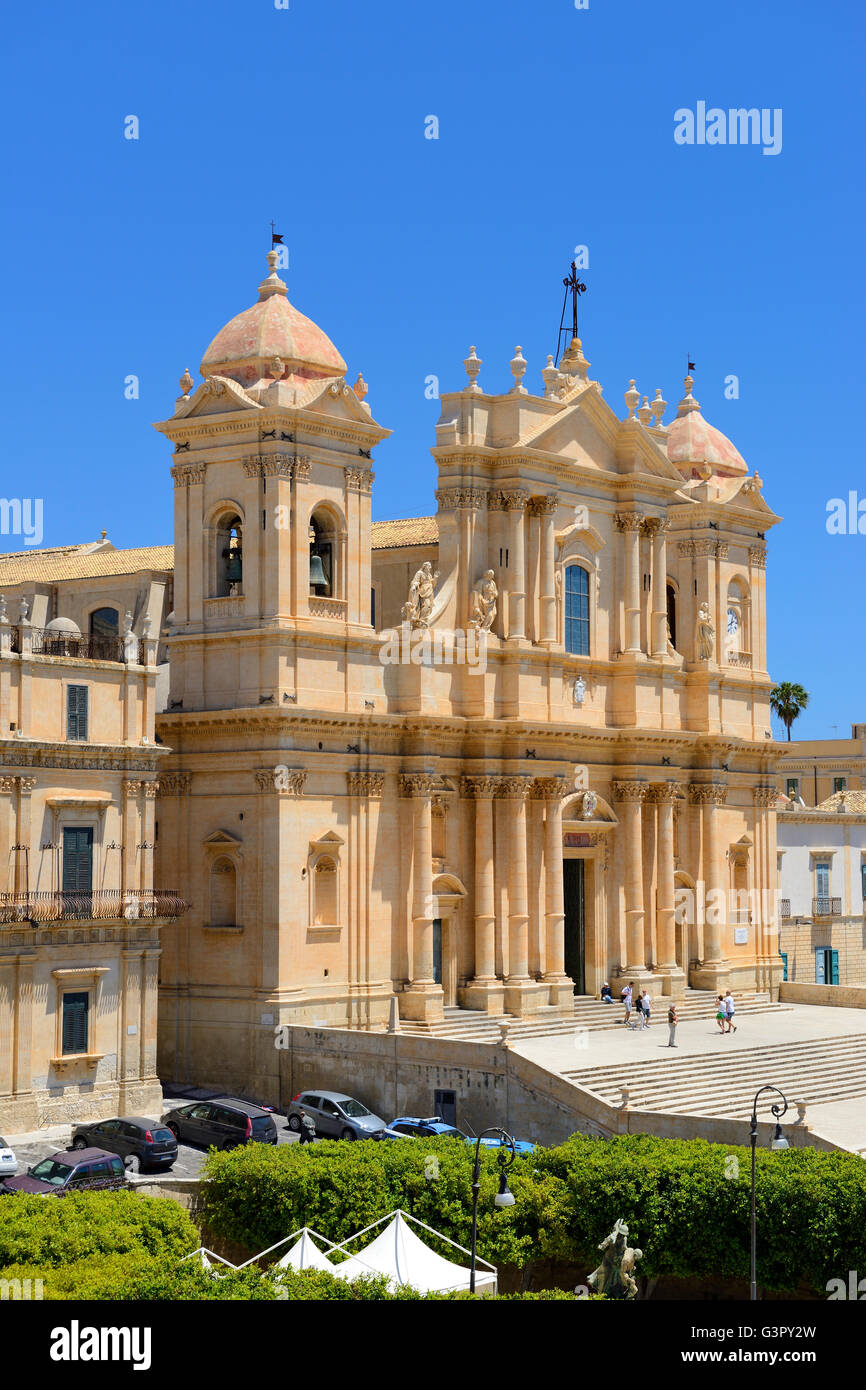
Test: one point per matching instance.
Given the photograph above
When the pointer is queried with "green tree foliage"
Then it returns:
(787, 701)
(62, 1230)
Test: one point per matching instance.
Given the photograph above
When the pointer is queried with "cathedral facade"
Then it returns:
(484, 759)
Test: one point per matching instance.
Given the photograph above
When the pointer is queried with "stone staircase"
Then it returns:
(468, 1025)
(813, 1071)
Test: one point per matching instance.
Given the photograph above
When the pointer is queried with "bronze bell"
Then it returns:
(317, 573)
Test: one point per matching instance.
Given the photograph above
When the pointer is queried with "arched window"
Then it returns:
(672, 614)
(223, 894)
(229, 556)
(325, 537)
(577, 610)
(325, 908)
(737, 644)
(104, 631)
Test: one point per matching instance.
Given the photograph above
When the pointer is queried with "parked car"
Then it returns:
(140, 1143)
(8, 1161)
(225, 1123)
(59, 1173)
(335, 1116)
(435, 1128)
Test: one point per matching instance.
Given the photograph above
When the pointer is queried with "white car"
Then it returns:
(8, 1161)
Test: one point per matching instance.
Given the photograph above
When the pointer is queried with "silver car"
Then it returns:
(335, 1116)
(8, 1161)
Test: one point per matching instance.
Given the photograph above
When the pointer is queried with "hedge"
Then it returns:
(59, 1231)
(686, 1202)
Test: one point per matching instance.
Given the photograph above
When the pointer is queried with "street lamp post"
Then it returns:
(503, 1198)
(777, 1142)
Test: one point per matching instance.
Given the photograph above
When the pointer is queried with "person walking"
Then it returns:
(729, 1012)
(627, 999)
(721, 1013)
(672, 1026)
(644, 1009)
(308, 1130)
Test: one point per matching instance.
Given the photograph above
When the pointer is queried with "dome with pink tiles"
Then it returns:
(271, 331)
(693, 443)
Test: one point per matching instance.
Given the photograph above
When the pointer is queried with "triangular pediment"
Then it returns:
(220, 839)
(589, 433)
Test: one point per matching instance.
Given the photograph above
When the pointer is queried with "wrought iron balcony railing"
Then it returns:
(45, 642)
(784, 908)
(826, 907)
(112, 903)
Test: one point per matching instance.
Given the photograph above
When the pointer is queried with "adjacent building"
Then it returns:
(811, 770)
(822, 889)
(79, 916)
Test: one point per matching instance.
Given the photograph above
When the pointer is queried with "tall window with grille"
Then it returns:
(76, 712)
(577, 610)
(76, 1014)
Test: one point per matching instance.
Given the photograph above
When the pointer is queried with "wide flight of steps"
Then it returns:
(724, 1084)
(468, 1025)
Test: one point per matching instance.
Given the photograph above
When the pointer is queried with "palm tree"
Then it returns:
(788, 700)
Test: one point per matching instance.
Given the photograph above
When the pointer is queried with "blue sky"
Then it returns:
(555, 129)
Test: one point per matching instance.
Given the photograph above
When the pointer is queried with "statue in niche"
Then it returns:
(615, 1275)
(705, 634)
(484, 603)
(419, 605)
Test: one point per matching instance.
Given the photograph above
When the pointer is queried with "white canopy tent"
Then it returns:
(407, 1262)
(305, 1254)
(206, 1258)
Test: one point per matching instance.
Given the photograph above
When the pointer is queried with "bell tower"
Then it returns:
(273, 474)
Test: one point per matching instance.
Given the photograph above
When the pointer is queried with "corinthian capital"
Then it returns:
(417, 783)
(766, 796)
(365, 783)
(666, 791)
(628, 521)
(514, 788)
(548, 788)
(630, 791)
(708, 793)
(478, 787)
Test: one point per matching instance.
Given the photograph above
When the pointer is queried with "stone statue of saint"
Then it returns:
(419, 605)
(705, 634)
(484, 603)
(615, 1275)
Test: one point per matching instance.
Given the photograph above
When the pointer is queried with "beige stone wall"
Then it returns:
(800, 940)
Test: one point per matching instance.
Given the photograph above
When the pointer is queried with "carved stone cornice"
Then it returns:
(514, 788)
(666, 791)
(285, 781)
(547, 788)
(173, 783)
(478, 787)
(275, 466)
(629, 521)
(630, 791)
(452, 499)
(365, 783)
(766, 796)
(418, 783)
(758, 556)
(708, 793)
(359, 479)
(186, 474)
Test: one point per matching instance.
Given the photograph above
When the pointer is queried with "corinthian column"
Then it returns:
(657, 526)
(629, 523)
(714, 969)
(423, 997)
(547, 599)
(665, 795)
(630, 797)
(561, 987)
(515, 503)
(484, 991)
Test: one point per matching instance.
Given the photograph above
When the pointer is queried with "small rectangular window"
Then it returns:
(792, 787)
(840, 784)
(76, 712)
(76, 1008)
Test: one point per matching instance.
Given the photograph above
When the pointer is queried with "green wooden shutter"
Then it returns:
(76, 712)
(75, 1015)
(77, 859)
(834, 967)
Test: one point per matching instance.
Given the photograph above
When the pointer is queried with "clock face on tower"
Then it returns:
(733, 623)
